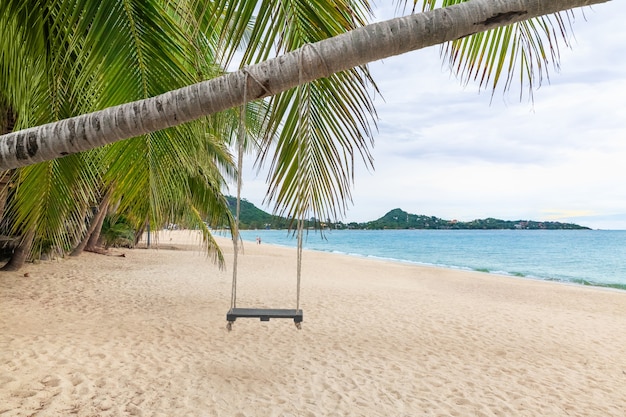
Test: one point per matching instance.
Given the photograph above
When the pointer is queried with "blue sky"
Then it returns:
(445, 149)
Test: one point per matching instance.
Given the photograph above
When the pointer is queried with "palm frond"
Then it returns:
(51, 198)
(524, 51)
(313, 157)
(341, 112)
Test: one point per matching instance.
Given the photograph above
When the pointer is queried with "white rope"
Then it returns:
(300, 222)
(240, 147)
(299, 271)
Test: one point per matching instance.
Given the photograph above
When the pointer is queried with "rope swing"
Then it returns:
(264, 314)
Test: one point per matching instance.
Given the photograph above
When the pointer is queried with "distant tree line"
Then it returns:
(251, 217)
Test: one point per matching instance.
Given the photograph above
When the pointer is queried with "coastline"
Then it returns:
(589, 258)
(145, 335)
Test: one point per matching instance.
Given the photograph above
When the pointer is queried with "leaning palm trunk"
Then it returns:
(94, 237)
(95, 226)
(21, 252)
(5, 181)
(7, 122)
(358, 47)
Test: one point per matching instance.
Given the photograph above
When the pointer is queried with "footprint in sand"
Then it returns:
(24, 393)
(5, 380)
(51, 381)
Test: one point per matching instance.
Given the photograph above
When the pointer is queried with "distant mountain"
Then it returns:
(400, 219)
(251, 217)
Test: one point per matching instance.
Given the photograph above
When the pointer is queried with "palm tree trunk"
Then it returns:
(358, 47)
(5, 180)
(139, 233)
(92, 243)
(7, 122)
(87, 243)
(21, 252)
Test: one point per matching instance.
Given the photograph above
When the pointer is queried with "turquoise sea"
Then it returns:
(588, 257)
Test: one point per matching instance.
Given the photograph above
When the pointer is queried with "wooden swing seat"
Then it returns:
(265, 314)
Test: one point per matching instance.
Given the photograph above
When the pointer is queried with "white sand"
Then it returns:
(145, 335)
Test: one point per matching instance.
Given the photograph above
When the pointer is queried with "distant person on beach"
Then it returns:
(258, 240)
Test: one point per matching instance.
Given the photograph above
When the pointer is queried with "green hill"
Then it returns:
(252, 217)
(399, 219)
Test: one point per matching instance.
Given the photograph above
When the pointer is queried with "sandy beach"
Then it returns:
(145, 335)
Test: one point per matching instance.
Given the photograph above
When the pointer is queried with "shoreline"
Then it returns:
(145, 335)
(576, 282)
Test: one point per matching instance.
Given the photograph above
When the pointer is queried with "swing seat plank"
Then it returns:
(264, 314)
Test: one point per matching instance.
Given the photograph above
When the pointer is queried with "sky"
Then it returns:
(447, 149)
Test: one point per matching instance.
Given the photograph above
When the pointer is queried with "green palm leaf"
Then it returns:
(522, 51)
(335, 130)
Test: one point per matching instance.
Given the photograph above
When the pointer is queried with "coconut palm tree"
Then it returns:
(114, 52)
(89, 63)
(342, 52)
(327, 148)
